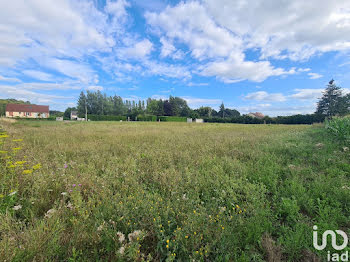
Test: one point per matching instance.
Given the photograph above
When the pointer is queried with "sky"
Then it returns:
(270, 56)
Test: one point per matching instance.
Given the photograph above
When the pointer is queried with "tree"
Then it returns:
(222, 110)
(332, 102)
(68, 111)
(82, 104)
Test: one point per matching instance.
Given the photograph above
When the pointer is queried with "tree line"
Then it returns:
(96, 103)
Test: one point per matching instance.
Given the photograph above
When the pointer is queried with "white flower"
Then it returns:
(121, 250)
(64, 193)
(13, 193)
(134, 235)
(18, 207)
(121, 237)
(50, 212)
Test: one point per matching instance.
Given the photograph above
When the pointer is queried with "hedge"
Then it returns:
(147, 118)
(172, 118)
(106, 118)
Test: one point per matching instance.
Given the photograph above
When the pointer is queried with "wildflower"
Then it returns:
(345, 149)
(222, 228)
(167, 246)
(100, 227)
(167, 241)
(26, 172)
(18, 207)
(134, 235)
(121, 237)
(64, 193)
(17, 148)
(13, 193)
(17, 140)
(79, 185)
(19, 163)
(38, 166)
(121, 250)
(65, 165)
(3, 152)
(186, 236)
(1, 195)
(69, 205)
(50, 212)
(74, 185)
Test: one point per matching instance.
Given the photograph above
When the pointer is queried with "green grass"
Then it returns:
(176, 191)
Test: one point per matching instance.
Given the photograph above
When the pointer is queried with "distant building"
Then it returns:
(199, 120)
(256, 115)
(74, 115)
(27, 111)
(189, 120)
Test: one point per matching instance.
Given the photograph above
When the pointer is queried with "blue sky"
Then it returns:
(254, 55)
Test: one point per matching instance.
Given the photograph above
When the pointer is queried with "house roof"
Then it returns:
(27, 108)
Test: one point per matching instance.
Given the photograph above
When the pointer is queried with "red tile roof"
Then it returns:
(27, 108)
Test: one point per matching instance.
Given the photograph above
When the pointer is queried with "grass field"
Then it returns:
(168, 191)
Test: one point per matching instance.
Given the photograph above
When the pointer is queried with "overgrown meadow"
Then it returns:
(133, 191)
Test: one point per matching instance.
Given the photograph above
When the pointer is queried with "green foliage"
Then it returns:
(106, 118)
(172, 119)
(339, 127)
(146, 118)
(333, 102)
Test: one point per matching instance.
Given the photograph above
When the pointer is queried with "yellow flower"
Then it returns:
(167, 241)
(38, 166)
(17, 148)
(186, 236)
(195, 232)
(223, 228)
(3, 152)
(20, 163)
(17, 140)
(1, 195)
(26, 172)
(167, 246)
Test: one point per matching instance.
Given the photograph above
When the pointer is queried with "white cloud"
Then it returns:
(191, 24)
(9, 79)
(16, 92)
(38, 75)
(169, 50)
(197, 84)
(267, 97)
(196, 102)
(306, 94)
(140, 50)
(94, 88)
(303, 28)
(314, 75)
(167, 70)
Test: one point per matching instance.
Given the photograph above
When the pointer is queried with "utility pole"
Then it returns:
(85, 110)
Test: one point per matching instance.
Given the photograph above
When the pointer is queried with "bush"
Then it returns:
(106, 118)
(147, 118)
(172, 118)
(340, 128)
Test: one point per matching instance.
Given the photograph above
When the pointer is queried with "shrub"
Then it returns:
(339, 127)
(172, 118)
(147, 118)
(106, 118)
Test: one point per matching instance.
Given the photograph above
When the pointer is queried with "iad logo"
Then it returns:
(334, 256)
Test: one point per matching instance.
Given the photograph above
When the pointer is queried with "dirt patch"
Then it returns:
(273, 251)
